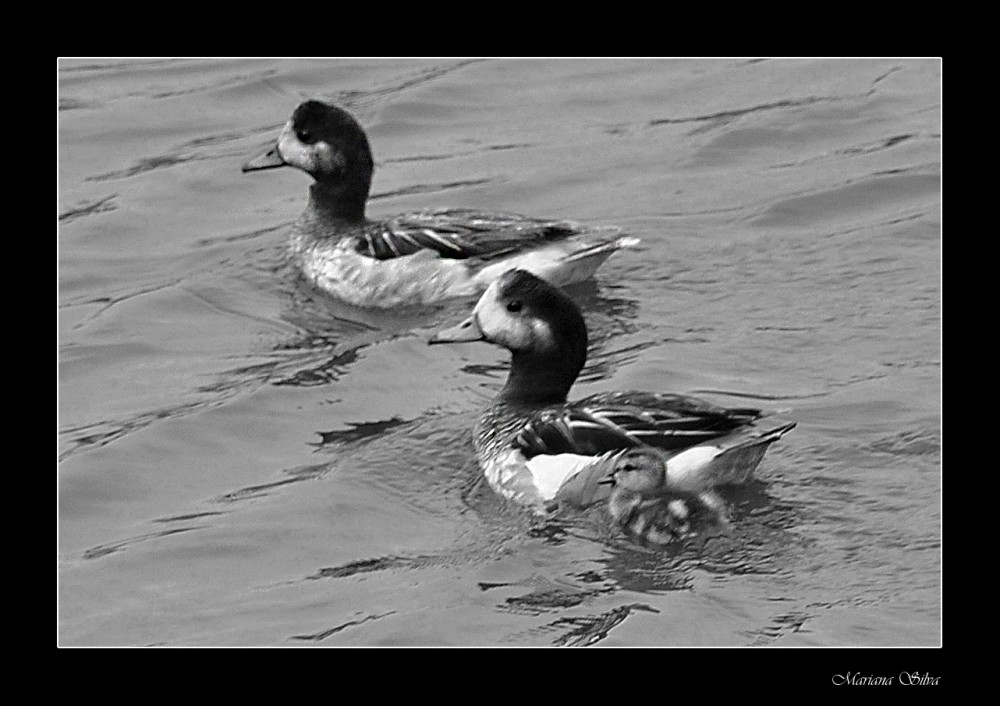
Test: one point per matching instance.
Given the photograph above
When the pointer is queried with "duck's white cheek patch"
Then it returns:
(294, 152)
(541, 335)
(492, 317)
(330, 160)
(519, 335)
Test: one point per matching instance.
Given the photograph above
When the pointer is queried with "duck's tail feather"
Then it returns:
(764, 437)
(604, 249)
(736, 464)
(560, 263)
(580, 265)
(730, 460)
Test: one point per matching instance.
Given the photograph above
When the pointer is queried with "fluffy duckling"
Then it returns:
(413, 258)
(640, 502)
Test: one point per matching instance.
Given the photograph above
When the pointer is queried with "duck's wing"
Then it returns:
(613, 421)
(461, 234)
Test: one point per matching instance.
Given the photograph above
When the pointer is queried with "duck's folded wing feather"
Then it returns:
(460, 234)
(613, 421)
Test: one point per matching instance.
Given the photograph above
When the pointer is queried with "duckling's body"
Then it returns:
(653, 496)
(640, 501)
(540, 450)
(414, 258)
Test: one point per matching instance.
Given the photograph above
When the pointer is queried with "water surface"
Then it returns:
(243, 461)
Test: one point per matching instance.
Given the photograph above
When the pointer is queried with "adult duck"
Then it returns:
(541, 451)
(414, 258)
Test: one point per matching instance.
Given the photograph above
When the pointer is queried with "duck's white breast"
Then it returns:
(420, 278)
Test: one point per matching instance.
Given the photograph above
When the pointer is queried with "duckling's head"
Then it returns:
(539, 324)
(639, 471)
(327, 143)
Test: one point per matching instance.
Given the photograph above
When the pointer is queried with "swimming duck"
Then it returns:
(544, 452)
(414, 258)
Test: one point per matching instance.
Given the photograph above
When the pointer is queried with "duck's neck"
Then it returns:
(541, 380)
(340, 203)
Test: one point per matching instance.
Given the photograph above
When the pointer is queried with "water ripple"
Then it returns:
(324, 634)
(100, 206)
(589, 630)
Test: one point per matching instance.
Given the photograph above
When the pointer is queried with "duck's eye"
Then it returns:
(628, 467)
(514, 306)
(304, 135)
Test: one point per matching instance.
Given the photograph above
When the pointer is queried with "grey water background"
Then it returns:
(243, 461)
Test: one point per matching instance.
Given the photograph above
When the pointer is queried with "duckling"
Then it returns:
(640, 502)
(540, 450)
(413, 258)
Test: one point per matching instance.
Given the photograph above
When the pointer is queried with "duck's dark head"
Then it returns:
(542, 328)
(327, 143)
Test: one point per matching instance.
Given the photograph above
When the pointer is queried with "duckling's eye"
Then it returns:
(628, 467)
(514, 306)
(304, 135)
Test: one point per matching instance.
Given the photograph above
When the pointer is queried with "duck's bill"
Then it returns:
(269, 159)
(468, 330)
